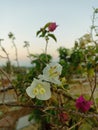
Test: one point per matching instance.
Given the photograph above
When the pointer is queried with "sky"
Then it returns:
(25, 17)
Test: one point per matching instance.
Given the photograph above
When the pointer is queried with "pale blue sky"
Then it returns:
(25, 17)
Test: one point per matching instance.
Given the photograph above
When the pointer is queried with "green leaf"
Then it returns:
(38, 32)
(52, 36)
(96, 49)
(31, 117)
(96, 10)
(92, 27)
(96, 100)
(1, 113)
(85, 126)
(34, 55)
(46, 25)
(97, 34)
(43, 33)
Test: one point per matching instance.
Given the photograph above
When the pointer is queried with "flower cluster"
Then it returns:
(82, 104)
(46, 31)
(40, 88)
(52, 85)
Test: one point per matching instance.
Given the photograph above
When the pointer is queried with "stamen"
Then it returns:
(42, 91)
(35, 91)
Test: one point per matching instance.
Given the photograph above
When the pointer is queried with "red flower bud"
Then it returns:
(63, 117)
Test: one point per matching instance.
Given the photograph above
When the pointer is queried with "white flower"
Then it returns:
(51, 73)
(39, 89)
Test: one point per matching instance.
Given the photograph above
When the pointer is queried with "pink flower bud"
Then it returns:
(52, 27)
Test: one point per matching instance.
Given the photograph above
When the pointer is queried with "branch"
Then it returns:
(8, 80)
(88, 115)
(94, 86)
(6, 89)
(78, 123)
(44, 108)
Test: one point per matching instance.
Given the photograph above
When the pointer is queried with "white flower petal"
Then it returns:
(29, 91)
(45, 96)
(54, 80)
(39, 89)
(51, 73)
(53, 64)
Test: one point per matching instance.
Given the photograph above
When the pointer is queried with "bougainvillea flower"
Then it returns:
(63, 117)
(82, 104)
(51, 73)
(52, 26)
(39, 89)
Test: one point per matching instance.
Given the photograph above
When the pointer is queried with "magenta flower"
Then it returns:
(82, 104)
(52, 27)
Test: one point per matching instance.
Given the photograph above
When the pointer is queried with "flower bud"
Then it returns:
(52, 27)
(63, 117)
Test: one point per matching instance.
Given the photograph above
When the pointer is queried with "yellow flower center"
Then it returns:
(35, 91)
(39, 90)
(53, 72)
(42, 91)
(39, 86)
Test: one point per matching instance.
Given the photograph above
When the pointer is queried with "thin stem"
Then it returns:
(8, 80)
(29, 54)
(16, 53)
(93, 90)
(3, 49)
(93, 28)
(78, 123)
(4, 91)
(27, 47)
(46, 48)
